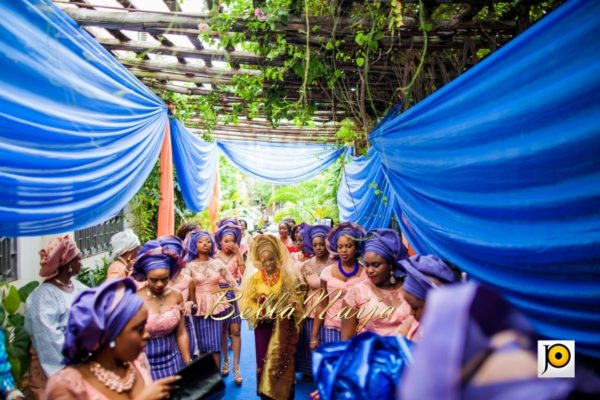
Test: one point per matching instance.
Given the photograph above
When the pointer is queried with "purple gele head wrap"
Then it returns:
(387, 244)
(166, 252)
(228, 221)
(226, 229)
(354, 231)
(191, 243)
(420, 270)
(311, 232)
(98, 316)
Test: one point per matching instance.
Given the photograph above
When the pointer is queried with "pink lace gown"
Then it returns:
(205, 277)
(182, 283)
(69, 381)
(374, 301)
(233, 269)
(162, 349)
(334, 285)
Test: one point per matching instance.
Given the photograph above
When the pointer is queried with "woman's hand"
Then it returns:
(159, 389)
(314, 343)
(187, 308)
(315, 395)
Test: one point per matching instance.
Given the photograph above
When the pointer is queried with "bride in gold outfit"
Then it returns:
(272, 304)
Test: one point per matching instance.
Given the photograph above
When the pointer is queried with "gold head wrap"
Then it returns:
(292, 283)
(268, 243)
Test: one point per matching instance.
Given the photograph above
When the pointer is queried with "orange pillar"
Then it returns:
(166, 207)
(213, 207)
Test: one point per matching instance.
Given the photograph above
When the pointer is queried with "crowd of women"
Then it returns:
(175, 298)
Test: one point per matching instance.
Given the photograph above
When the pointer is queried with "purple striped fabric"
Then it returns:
(191, 331)
(329, 335)
(304, 355)
(235, 318)
(164, 356)
(208, 333)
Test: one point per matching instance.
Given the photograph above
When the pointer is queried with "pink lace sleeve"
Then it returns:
(326, 274)
(354, 297)
(66, 383)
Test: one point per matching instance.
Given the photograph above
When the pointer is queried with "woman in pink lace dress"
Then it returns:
(205, 273)
(228, 240)
(378, 304)
(343, 243)
(103, 349)
(303, 254)
(314, 242)
(158, 262)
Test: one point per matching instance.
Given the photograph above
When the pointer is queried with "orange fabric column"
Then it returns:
(213, 207)
(166, 207)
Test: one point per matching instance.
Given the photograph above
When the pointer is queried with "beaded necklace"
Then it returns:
(270, 280)
(351, 273)
(113, 381)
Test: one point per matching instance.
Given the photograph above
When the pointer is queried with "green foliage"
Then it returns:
(310, 200)
(348, 131)
(94, 276)
(143, 208)
(12, 319)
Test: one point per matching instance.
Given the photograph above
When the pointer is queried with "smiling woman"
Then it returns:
(275, 336)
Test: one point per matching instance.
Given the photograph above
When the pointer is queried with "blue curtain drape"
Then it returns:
(196, 164)
(365, 196)
(499, 172)
(78, 133)
(280, 163)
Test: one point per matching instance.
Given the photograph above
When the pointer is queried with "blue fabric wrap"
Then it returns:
(280, 163)
(93, 324)
(79, 133)
(7, 382)
(365, 195)
(196, 164)
(498, 173)
(368, 366)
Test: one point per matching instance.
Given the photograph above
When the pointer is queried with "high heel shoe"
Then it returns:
(225, 369)
(237, 377)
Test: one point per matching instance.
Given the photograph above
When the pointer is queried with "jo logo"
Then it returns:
(556, 358)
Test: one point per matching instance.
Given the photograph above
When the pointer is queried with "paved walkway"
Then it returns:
(248, 366)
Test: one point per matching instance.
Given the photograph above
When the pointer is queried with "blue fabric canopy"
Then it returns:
(78, 133)
(196, 164)
(499, 172)
(365, 196)
(280, 163)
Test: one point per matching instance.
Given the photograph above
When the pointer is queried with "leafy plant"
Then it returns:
(94, 276)
(12, 321)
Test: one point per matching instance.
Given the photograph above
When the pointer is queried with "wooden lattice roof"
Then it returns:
(158, 41)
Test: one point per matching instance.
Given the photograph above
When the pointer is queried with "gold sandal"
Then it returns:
(225, 368)
(237, 377)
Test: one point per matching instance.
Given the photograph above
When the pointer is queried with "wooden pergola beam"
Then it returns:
(243, 57)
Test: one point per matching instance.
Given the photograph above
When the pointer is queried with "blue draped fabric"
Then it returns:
(78, 133)
(280, 163)
(368, 366)
(195, 164)
(365, 196)
(499, 172)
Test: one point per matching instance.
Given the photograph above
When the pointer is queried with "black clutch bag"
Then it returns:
(199, 380)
